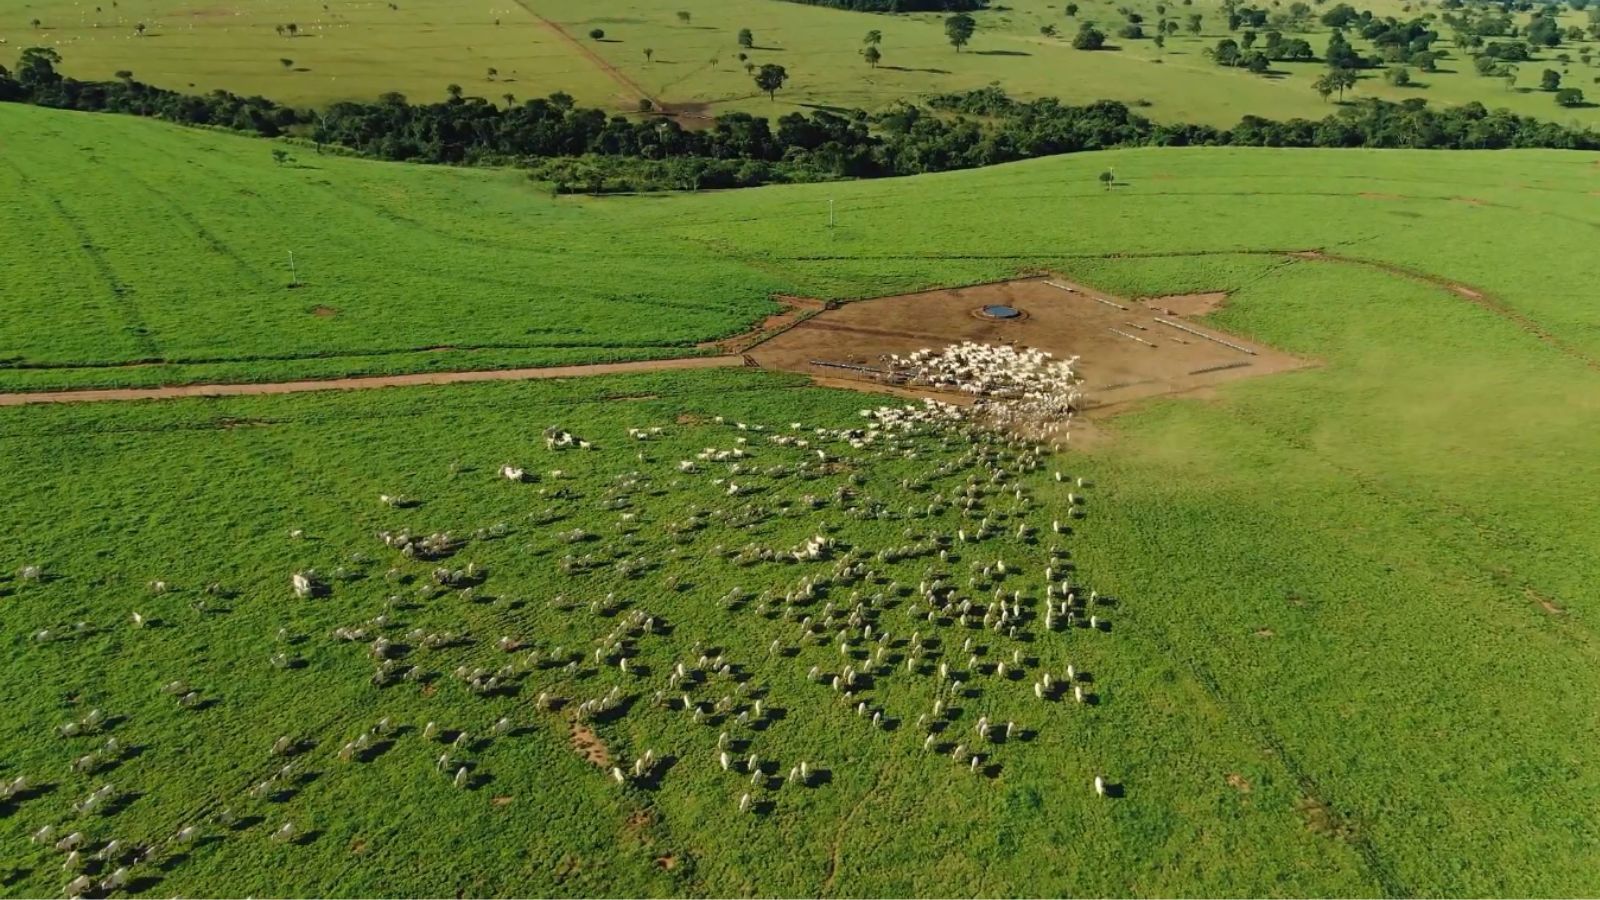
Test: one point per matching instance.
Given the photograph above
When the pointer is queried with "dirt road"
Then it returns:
(371, 381)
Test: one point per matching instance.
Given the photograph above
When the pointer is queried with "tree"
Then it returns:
(648, 53)
(872, 56)
(454, 90)
(292, 28)
(1247, 39)
(139, 29)
(286, 63)
(125, 75)
(597, 34)
(959, 29)
(749, 68)
(1549, 80)
(1071, 9)
(491, 72)
(1160, 41)
(684, 16)
(1048, 31)
(1399, 76)
(1334, 81)
(1194, 21)
(770, 78)
(873, 38)
(1569, 97)
(510, 99)
(1132, 31)
(280, 155)
(747, 40)
(1088, 38)
(1108, 178)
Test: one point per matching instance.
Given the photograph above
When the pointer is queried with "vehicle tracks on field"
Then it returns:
(596, 59)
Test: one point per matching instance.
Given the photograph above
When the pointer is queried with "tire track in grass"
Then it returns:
(1372, 859)
(206, 236)
(135, 326)
(599, 62)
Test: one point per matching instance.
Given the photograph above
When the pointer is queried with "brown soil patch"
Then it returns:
(1190, 305)
(1238, 783)
(589, 745)
(428, 690)
(358, 846)
(371, 381)
(324, 312)
(1373, 195)
(1470, 201)
(846, 346)
(501, 801)
(1545, 603)
(668, 862)
(638, 820)
(1266, 633)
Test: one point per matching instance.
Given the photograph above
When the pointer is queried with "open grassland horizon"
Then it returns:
(360, 50)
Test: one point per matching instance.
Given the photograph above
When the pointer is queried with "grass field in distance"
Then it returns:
(359, 50)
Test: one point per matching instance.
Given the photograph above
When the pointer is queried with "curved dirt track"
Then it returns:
(370, 381)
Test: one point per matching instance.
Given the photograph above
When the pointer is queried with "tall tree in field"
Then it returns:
(872, 56)
(139, 29)
(454, 90)
(873, 38)
(959, 29)
(292, 28)
(648, 53)
(684, 16)
(510, 99)
(747, 39)
(770, 78)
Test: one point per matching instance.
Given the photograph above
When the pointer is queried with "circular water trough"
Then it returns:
(1000, 312)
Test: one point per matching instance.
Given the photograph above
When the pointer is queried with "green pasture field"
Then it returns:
(143, 242)
(359, 50)
(1352, 650)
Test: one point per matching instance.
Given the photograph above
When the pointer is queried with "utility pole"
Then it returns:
(830, 212)
(294, 275)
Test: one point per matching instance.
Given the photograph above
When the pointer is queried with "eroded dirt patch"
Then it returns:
(324, 312)
(1188, 305)
(1127, 351)
(589, 745)
(1238, 782)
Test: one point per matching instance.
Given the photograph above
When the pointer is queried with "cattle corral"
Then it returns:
(1127, 350)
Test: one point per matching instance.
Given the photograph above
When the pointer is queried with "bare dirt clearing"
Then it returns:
(1127, 351)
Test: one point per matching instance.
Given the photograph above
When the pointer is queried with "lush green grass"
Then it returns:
(156, 242)
(1330, 584)
(360, 50)
(1364, 588)
(886, 817)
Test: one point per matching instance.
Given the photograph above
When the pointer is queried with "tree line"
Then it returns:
(584, 149)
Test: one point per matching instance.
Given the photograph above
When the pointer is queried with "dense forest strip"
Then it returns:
(577, 149)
